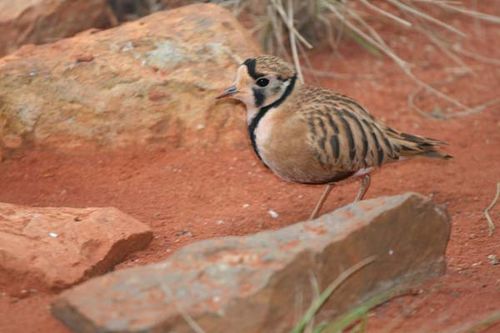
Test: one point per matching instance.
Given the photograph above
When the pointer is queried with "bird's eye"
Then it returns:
(262, 82)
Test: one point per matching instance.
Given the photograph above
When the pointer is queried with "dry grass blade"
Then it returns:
(309, 65)
(383, 48)
(441, 115)
(425, 86)
(489, 220)
(284, 32)
(359, 314)
(475, 56)
(281, 12)
(316, 293)
(192, 323)
(277, 29)
(412, 105)
(475, 109)
(318, 302)
(335, 75)
(382, 12)
(444, 47)
(378, 43)
(293, 44)
(414, 11)
(167, 292)
(469, 12)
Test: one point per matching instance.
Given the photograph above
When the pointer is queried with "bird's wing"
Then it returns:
(342, 133)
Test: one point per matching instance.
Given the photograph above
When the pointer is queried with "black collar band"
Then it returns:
(262, 112)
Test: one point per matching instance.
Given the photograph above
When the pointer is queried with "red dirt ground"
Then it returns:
(191, 194)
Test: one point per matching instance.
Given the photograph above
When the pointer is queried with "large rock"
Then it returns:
(43, 21)
(262, 283)
(148, 81)
(53, 248)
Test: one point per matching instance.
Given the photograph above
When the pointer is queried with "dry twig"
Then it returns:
(489, 220)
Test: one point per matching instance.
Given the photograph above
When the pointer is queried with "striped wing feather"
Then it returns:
(344, 135)
(342, 132)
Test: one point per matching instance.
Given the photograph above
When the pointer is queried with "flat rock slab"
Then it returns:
(53, 248)
(262, 283)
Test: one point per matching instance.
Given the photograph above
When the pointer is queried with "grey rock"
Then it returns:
(262, 283)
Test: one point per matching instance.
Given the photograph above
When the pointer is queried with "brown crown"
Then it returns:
(267, 64)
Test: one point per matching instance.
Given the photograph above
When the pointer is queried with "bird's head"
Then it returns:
(261, 81)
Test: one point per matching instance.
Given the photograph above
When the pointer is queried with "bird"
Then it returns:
(311, 135)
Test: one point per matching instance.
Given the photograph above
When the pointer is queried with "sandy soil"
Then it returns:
(191, 194)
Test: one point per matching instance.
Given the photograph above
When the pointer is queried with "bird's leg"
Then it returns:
(365, 184)
(321, 201)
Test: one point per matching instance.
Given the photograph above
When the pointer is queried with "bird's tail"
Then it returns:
(414, 145)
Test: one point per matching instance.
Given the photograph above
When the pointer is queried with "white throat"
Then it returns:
(251, 113)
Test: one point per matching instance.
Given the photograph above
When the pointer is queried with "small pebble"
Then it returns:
(273, 214)
(53, 235)
(493, 259)
(246, 205)
(219, 222)
(127, 47)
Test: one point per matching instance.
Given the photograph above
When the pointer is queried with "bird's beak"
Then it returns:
(228, 92)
